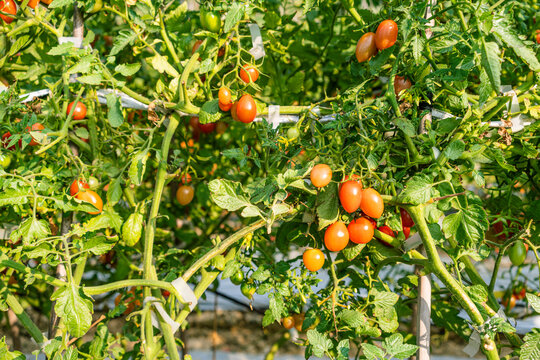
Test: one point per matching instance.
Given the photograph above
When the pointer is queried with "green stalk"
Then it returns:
(5, 261)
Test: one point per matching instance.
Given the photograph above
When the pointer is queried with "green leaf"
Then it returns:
(99, 245)
(5, 354)
(206, 66)
(372, 352)
(352, 318)
(74, 308)
(132, 229)
(534, 301)
(138, 167)
(530, 350)
(102, 221)
(114, 113)
(61, 49)
(418, 44)
(320, 342)
(454, 150)
(14, 197)
(295, 84)
(406, 126)
(484, 90)
(228, 195)
(94, 79)
(352, 252)
(477, 293)
(161, 64)
(468, 225)
(235, 14)
(396, 348)
(491, 63)
(127, 69)
(343, 349)
(417, 191)
(210, 112)
(328, 210)
(59, 3)
(31, 229)
(115, 191)
(276, 305)
(231, 268)
(124, 38)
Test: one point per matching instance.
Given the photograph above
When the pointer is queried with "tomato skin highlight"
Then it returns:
(517, 253)
(336, 236)
(8, 6)
(400, 84)
(366, 48)
(372, 203)
(246, 109)
(350, 195)
(76, 186)
(361, 231)
(386, 34)
(313, 259)
(249, 74)
(320, 175)
(185, 194)
(406, 219)
(93, 198)
(80, 110)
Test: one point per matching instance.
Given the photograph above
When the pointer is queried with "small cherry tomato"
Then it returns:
(517, 253)
(538, 36)
(350, 195)
(246, 110)
(299, 321)
(313, 259)
(32, 3)
(5, 160)
(185, 194)
(509, 305)
(372, 203)
(366, 48)
(361, 231)
(226, 107)
(207, 128)
(8, 6)
(406, 219)
(519, 292)
(406, 232)
(336, 236)
(36, 127)
(186, 178)
(237, 278)
(76, 186)
(224, 95)
(248, 290)
(93, 198)
(400, 84)
(249, 73)
(288, 322)
(320, 175)
(210, 20)
(80, 110)
(386, 34)
(293, 133)
(6, 139)
(165, 293)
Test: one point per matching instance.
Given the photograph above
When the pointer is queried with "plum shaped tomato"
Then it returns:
(400, 84)
(224, 96)
(313, 259)
(210, 20)
(517, 253)
(372, 203)
(246, 109)
(406, 219)
(366, 48)
(336, 236)
(93, 198)
(386, 34)
(9, 7)
(35, 127)
(249, 73)
(80, 110)
(320, 175)
(185, 194)
(361, 231)
(350, 195)
(76, 186)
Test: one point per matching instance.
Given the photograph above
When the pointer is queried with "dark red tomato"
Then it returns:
(386, 34)
(249, 73)
(350, 195)
(224, 96)
(35, 127)
(387, 230)
(80, 110)
(76, 186)
(225, 107)
(361, 231)
(538, 36)
(165, 293)
(93, 198)
(320, 175)
(8, 6)
(372, 203)
(400, 84)
(196, 46)
(186, 179)
(6, 138)
(246, 110)
(366, 48)
(406, 232)
(406, 219)
(207, 128)
(504, 232)
(313, 259)
(234, 113)
(336, 236)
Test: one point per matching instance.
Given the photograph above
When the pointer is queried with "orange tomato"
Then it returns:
(224, 95)
(313, 259)
(35, 127)
(320, 175)
(93, 198)
(350, 195)
(288, 322)
(372, 203)
(8, 6)
(246, 109)
(361, 231)
(249, 73)
(366, 48)
(76, 186)
(336, 236)
(386, 34)
(185, 194)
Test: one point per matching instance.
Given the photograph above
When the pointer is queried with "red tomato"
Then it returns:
(350, 195)
(93, 198)
(372, 203)
(33, 3)
(224, 96)
(207, 128)
(226, 107)
(538, 36)
(320, 175)
(234, 113)
(387, 230)
(313, 259)
(406, 219)
(400, 84)
(386, 34)
(8, 6)
(519, 293)
(35, 127)
(361, 231)
(185, 194)
(406, 232)
(336, 236)
(196, 46)
(6, 138)
(366, 48)
(76, 186)
(246, 110)
(249, 73)
(186, 179)
(80, 110)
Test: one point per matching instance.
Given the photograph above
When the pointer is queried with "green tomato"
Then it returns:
(293, 133)
(5, 160)
(98, 4)
(237, 278)
(93, 183)
(248, 290)
(517, 253)
(210, 20)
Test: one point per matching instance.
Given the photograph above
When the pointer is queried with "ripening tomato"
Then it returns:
(406, 232)
(8, 6)
(80, 110)
(224, 107)
(361, 231)
(48, 2)
(313, 259)
(248, 290)
(32, 3)
(517, 253)
(6, 138)
(246, 109)
(538, 36)
(320, 175)
(249, 73)
(400, 84)
(93, 198)
(387, 230)
(288, 322)
(186, 178)
(519, 292)
(185, 194)
(207, 128)
(406, 219)
(366, 48)
(224, 96)
(234, 113)
(299, 321)
(76, 186)
(196, 46)
(386, 34)
(509, 305)
(35, 127)
(350, 195)
(372, 203)
(336, 236)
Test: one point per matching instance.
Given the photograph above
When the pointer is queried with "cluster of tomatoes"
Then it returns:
(370, 43)
(9, 7)
(297, 321)
(245, 109)
(6, 137)
(81, 190)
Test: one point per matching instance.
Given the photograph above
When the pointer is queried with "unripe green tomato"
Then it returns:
(293, 133)
(210, 20)
(98, 4)
(5, 160)
(248, 290)
(517, 253)
(237, 278)
(93, 183)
